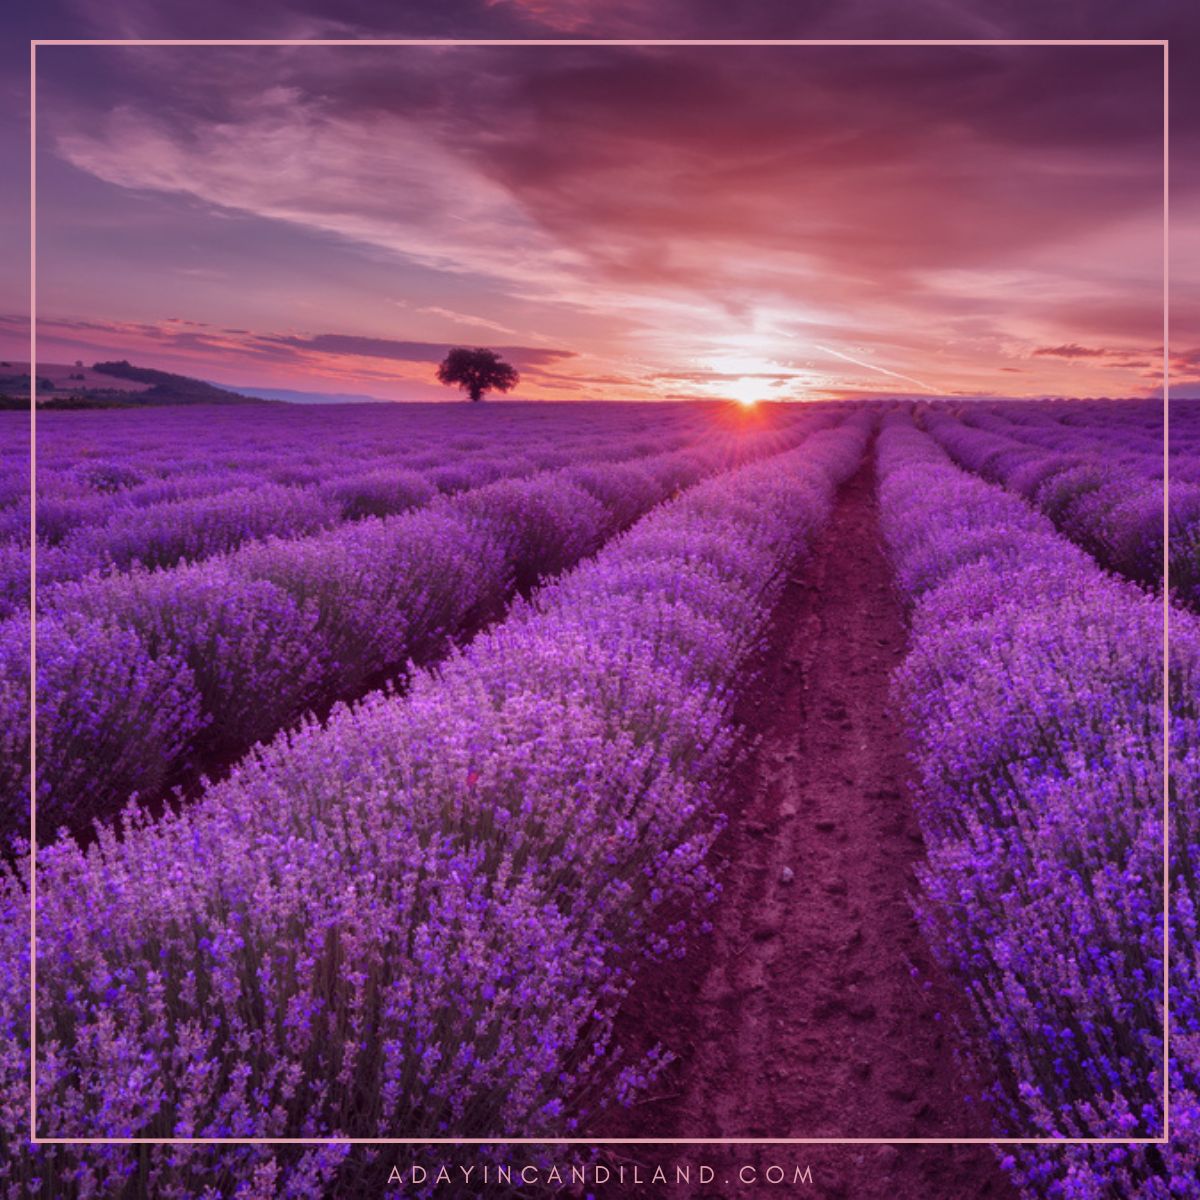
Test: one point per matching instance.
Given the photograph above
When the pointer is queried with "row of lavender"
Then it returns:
(1109, 503)
(1130, 437)
(14, 511)
(1034, 690)
(391, 924)
(1123, 427)
(1184, 440)
(130, 505)
(142, 457)
(144, 674)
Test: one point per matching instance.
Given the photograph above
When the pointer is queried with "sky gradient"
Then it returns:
(756, 223)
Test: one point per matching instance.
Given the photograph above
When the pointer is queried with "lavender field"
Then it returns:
(427, 771)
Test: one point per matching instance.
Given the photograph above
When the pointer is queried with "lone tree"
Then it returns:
(477, 371)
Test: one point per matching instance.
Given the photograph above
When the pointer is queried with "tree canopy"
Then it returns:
(477, 371)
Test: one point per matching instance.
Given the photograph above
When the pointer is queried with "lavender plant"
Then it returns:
(1033, 691)
(1108, 502)
(112, 721)
(283, 624)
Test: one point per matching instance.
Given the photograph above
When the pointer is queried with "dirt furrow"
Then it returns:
(813, 1009)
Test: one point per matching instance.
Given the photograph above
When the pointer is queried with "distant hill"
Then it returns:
(109, 385)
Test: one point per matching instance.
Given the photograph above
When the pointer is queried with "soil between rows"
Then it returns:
(814, 1009)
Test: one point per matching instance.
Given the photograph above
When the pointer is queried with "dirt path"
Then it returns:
(813, 1009)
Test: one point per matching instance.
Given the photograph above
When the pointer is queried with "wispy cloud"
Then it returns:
(858, 362)
(466, 319)
(1072, 350)
(399, 351)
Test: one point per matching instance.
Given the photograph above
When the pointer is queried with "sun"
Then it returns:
(744, 376)
(747, 391)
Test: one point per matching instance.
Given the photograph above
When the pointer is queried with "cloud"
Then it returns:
(1070, 351)
(466, 319)
(721, 376)
(1122, 358)
(194, 347)
(402, 351)
(679, 168)
(379, 180)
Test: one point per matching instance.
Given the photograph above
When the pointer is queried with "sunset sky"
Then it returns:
(751, 223)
